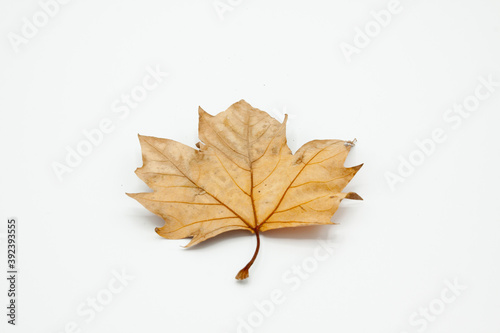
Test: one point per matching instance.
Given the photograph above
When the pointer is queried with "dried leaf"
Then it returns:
(243, 176)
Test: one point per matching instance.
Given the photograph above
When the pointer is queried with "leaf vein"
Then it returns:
(213, 196)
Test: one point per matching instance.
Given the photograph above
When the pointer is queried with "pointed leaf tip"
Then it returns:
(357, 167)
(286, 118)
(353, 196)
(351, 143)
(202, 112)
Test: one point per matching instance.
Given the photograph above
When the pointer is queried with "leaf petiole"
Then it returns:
(243, 273)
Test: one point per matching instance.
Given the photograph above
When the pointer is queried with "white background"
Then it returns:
(393, 252)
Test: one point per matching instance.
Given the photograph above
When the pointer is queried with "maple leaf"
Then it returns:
(243, 176)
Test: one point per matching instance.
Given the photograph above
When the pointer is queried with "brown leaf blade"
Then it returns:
(243, 176)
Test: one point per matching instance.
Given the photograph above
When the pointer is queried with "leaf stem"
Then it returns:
(243, 273)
